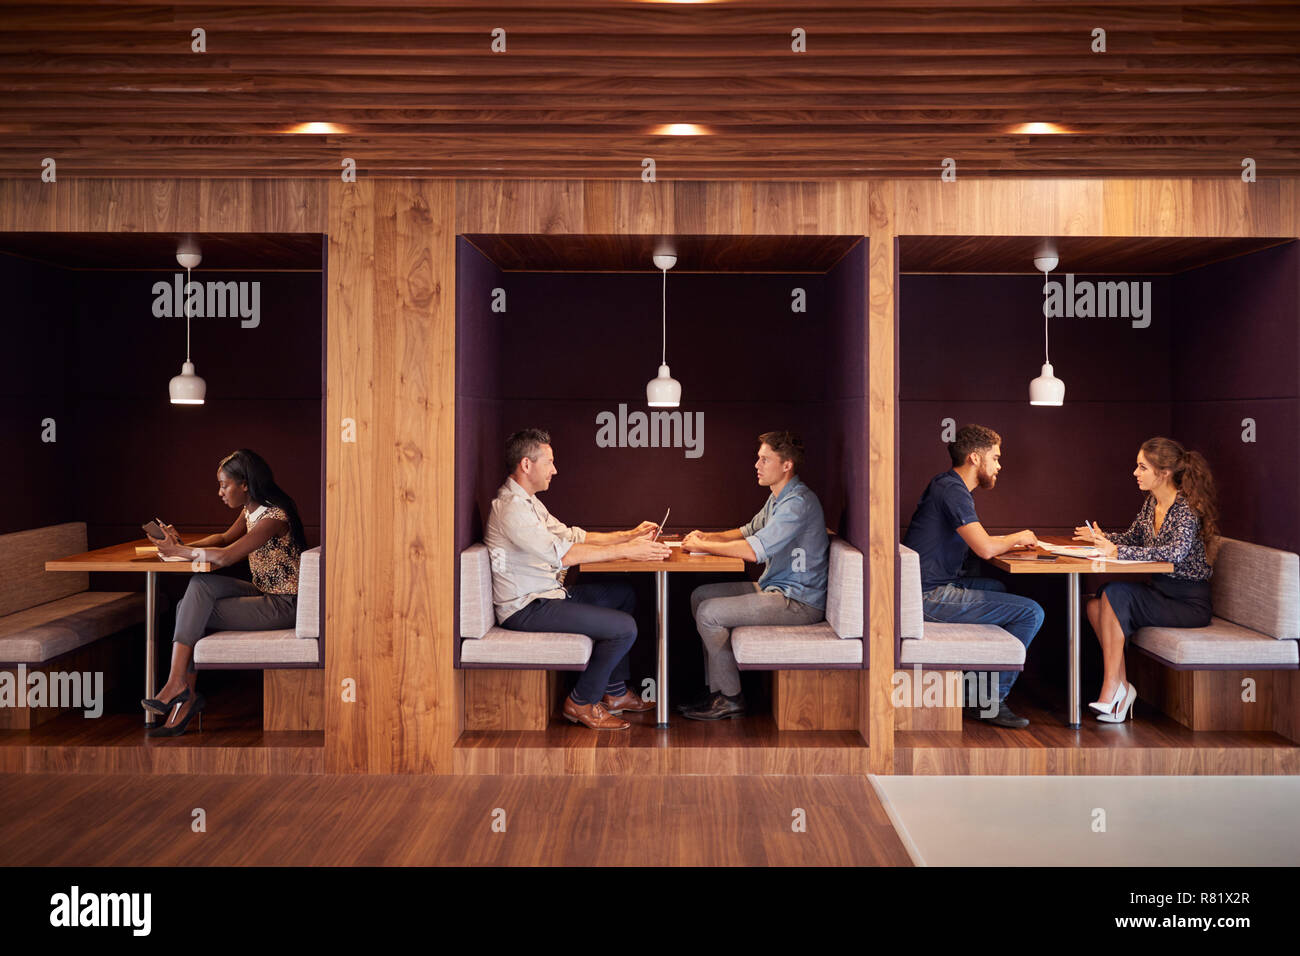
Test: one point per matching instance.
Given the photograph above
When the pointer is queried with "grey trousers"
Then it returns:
(720, 607)
(213, 602)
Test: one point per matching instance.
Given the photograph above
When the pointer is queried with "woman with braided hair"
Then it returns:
(1178, 523)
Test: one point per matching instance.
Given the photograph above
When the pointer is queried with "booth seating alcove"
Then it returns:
(291, 660)
(948, 649)
(53, 622)
(1198, 675)
(512, 681)
(818, 666)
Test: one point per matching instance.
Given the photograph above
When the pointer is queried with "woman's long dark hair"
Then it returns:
(1190, 473)
(249, 466)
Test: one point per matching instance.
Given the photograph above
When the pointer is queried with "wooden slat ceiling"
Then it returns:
(626, 253)
(885, 89)
(1083, 255)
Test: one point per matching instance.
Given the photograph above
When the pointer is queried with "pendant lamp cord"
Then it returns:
(1046, 275)
(187, 313)
(663, 301)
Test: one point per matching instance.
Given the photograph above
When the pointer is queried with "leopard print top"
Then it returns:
(274, 564)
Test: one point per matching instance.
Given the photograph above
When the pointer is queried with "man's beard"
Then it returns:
(986, 480)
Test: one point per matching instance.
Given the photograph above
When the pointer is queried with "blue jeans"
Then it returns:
(985, 601)
(603, 612)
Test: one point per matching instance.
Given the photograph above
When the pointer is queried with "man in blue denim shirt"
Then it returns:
(789, 534)
(945, 529)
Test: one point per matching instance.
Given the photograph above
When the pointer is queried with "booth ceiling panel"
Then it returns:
(1093, 255)
(624, 253)
(146, 251)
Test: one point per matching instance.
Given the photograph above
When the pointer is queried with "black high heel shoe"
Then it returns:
(162, 709)
(199, 703)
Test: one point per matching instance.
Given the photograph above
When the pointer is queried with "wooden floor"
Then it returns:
(751, 745)
(324, 819)
(232, 741)
(1150, 743)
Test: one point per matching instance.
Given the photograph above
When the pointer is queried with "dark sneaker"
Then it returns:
(720, 708)
(1005, 717)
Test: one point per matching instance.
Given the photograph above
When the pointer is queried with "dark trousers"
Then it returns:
(214, 602)
(975, 600)
(603, 612)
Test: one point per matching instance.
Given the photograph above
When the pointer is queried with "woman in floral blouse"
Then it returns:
(268, 532)
(1178, 523)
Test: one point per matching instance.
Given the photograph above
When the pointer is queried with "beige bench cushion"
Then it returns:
(44, 632)
(308, 621)
(968, 645)
(477, 615)
(910, 612)
(24, 582)
(1221, 643)
(809, 644)
(257, 647)
(1258, 588)
(274, 647)
(542, 648)
(844, 590)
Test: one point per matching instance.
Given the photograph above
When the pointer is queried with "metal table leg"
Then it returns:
(1072, 649)
(150, 607)
(661, 623)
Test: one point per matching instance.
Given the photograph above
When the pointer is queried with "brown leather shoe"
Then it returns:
(593, 715)
(721, 707)
(628, 701)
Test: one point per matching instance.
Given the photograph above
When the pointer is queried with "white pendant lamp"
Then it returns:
(664, 391)
(187, 388)
(1047, 389)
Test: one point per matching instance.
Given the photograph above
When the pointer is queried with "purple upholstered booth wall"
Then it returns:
(969, 346)
(570, 346)
(34, 386)
(90, 353)
(1238, 359)
(1223, 345)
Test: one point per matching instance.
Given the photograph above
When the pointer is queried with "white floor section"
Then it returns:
(1095, 821)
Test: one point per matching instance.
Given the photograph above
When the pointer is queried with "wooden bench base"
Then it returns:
(293, 699)
(933, 704)
(816, 700)
(103, 656)
(510, 700)
(1212, 700)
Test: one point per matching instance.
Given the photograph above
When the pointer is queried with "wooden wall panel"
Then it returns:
(881, 468)
(357, 631)
(29, 205)
(391, 338)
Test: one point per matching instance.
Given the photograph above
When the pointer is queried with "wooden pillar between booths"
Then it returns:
(815, 700)
(293, 699)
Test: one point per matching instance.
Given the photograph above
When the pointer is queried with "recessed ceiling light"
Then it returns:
(318, 128)
(681, 129)
(1039, 128)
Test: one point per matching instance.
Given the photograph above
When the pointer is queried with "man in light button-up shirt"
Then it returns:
(789, 535)
(529, 549)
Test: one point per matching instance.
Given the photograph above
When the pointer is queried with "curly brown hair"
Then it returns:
(971, 438)
(1190, 473)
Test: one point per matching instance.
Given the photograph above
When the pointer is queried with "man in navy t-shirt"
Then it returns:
(945, 529)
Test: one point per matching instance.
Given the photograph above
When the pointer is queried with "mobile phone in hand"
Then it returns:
(154, 530)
